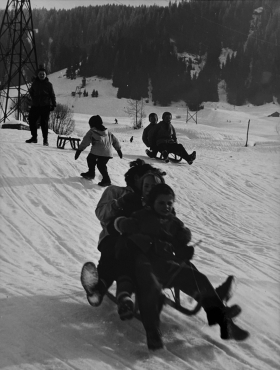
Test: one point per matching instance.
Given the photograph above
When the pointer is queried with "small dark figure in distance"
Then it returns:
(131, 139)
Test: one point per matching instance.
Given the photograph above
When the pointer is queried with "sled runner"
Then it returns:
(89, 280)
(174, 302)
(171, 157)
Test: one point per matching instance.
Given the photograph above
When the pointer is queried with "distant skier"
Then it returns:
(102, 141)
(116, 121)
(131, 139)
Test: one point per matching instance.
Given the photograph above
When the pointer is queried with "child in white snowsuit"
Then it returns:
(153, 236)
(102, 141)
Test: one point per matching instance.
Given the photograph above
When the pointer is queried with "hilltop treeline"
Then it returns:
(143, 49)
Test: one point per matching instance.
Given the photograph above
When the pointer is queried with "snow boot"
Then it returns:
(45, 143)
(165, 156)
(223, 317)
(214, 314)
(154, 339)
(191, 158)
(125, 307)
(224, 291)
(31, 140)
(87, 175)
(229, 330)
(104, 183)
(94, 288)
(149, 153)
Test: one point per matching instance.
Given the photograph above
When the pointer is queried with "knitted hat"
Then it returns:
(42, 68)
(96, 121)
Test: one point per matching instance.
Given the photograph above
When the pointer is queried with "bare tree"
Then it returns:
(135, 110)
(61, 120)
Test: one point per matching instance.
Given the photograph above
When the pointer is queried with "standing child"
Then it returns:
(102, 141)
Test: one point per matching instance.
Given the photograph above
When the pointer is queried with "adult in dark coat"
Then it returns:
(148, 133)
(43, 102)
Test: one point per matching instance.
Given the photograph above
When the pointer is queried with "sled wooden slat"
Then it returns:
(172, 157)
(61, 141)
(170, 302)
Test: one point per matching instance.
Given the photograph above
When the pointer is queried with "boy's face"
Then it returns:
(153, 119)
(42, 75)
(148, 183)
(167, 118)
(163, 205)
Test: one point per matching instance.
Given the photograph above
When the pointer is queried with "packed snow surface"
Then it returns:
(229, 198)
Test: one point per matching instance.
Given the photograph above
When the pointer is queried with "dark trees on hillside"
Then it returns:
(139, 46)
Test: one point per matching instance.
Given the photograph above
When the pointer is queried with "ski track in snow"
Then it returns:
(230, 200)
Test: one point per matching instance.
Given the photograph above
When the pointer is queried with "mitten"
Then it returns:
(77, 154)
(126, 225)
(111, 229)
(120, 153)
(185, 253)
(129, 200)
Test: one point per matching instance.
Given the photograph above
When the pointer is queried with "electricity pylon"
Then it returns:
(18, 58)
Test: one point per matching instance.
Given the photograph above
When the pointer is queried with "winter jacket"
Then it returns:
(164, 133)
(148, 133)
(148, 231)
(42, 93)
(107, 208)
(101, 141)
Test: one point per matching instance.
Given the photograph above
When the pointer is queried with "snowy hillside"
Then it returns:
(229, 198)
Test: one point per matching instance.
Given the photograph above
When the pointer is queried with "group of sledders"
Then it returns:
(145, 248)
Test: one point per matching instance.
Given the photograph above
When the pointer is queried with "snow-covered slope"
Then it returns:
(229, 197)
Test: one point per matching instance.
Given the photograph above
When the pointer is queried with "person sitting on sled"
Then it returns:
(96, 281)
(148, 133)
(102, 141)
(165, 139)
(153, 235)
(115, 201)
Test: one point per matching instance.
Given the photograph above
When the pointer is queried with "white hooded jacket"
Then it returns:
(102, 142)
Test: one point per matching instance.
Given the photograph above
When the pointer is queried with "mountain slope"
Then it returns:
(229, 198)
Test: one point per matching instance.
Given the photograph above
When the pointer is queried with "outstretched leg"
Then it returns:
(194, 283)
(150, 300)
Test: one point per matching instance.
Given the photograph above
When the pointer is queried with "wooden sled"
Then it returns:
(171, 156)
(175, 303)
(61, 141)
